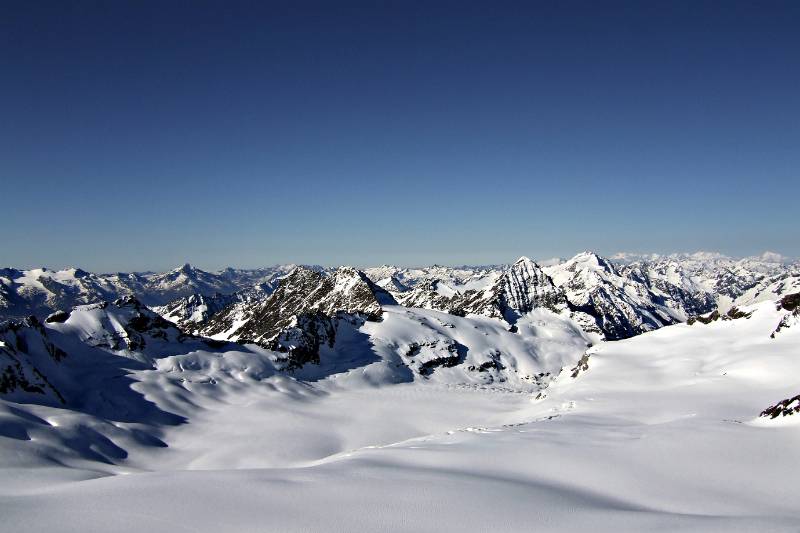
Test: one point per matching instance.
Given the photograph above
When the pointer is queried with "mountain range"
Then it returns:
(615, 298)
(319, 316)
(568, 381)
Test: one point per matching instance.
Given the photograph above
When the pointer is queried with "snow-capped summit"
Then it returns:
(303, 313)
(185, 281)
(520, 289)
(605, 301)
(507, 294)
(658, 289)
(724, 278)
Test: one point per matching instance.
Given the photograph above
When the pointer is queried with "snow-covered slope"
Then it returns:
(685, 284)
(658, 432)
(41, 291)
(302, 314)
(605, 300)
(725, 278)
(507, 294)
(410, 277)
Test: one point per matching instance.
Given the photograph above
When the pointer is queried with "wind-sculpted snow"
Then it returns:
(421, 421)
(122, 375)
(432, 399)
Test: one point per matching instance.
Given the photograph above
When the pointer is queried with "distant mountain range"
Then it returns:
(102, 346)
(614, 298)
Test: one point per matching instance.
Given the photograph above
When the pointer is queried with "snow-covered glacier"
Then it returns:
(630, 394)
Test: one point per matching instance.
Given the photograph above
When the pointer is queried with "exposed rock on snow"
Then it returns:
(791, 303)
(733, 313)
(303, 313)
(604, 300)
(518, 289)
(787, 407)
(26, 355)
(191, 312)
(42, 291)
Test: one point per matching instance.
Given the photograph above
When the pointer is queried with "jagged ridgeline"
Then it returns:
(613, 300)
(517, 324)
(303, 313)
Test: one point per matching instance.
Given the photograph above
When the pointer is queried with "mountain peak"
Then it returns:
(185, 268)
(592, 260)
(525, 260)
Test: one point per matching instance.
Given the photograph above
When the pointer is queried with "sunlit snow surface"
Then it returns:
(660, 433)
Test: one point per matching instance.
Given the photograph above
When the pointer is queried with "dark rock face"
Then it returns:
(691, 302)
(139, 326)
(23, 343)
(191, 312)
(519, 289)
(302, 341)
(493, 364)
(303, 313)
(57, 317)
(452, 354)
(426, 295)
(733, 313)
(712, 317)
(605, 300)
(787, 407)
(790, 302)
(582, 366)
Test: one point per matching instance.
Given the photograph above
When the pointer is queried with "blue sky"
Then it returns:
(140, 135)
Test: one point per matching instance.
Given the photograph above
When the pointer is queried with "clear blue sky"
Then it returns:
(139, 135)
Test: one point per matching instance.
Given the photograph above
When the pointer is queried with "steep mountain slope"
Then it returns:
(669, 282)
(27, 355)
(725, 278)
(508, 294)
(302, 314)
(182, 282)
(634, 435)
(40, 291)
(606, 301)
(771, 288)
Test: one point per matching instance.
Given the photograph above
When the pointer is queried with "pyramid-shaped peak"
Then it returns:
(185, 268)
(526, 261)
(591, 257)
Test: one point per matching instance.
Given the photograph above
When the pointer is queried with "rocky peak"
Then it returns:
(524, 287)
(392, 284)
(186, 269)
(351, 291)
(519, 289)
(191, 312)
(306, 302)
(123, 326)
(591, 261)
(80, 273)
